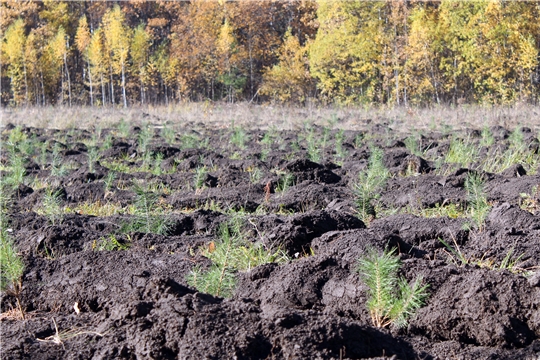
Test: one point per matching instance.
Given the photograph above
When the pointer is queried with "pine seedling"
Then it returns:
(220, 279)
(109, 180)
(93, 157)
(232, 253)
(123, 129)
(200, 177)
(216, 281)
(145, 136)
(285, 182)
(369, 183)
(313, 149)
(157, 164)
(239, 138)
(57, 165)
(51, 206)
(11, 265)
(478, 204)
(42, 159)
(487, 137)
(340, 152)
(146, 219)
(391, 299)
(16, 175)
(107, 142)
(168, 134)
(411, 143)
(255, 175)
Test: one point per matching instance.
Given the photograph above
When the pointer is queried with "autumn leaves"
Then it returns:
(352, 52)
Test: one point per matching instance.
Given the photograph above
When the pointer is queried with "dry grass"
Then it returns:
(221, 115)
(12, 314)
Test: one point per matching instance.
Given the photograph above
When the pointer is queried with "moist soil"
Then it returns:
(135, 302)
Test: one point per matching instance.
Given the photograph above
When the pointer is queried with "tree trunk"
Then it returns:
(91, 87)
(142, 89)
(112, 84)
(25, 84)
(42, 87)
(68, 79)
(124, 87)
(102, 91)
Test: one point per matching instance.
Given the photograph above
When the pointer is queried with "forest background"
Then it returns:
(123, 53)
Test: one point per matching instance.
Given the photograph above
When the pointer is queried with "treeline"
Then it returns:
(104, 53)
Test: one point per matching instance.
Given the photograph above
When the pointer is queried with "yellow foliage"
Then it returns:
(13, 55)
(117, 37)
(346, 53)
(289, 79)
(83, 36)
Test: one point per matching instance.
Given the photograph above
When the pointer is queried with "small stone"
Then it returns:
(534, 280)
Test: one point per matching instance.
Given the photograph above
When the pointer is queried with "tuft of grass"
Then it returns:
(109, 244)
(392, 300)
(501, 161)
(462, 152)
(233, 252)
(452, 211)
(458, 258)
(369, 183)
(96, 209)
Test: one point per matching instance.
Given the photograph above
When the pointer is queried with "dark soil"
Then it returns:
(135, 302)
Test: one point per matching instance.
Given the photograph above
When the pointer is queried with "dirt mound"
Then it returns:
(117, 252)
